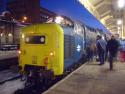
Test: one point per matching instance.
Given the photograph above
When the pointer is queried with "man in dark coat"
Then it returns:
(101, 48)
(112, 47)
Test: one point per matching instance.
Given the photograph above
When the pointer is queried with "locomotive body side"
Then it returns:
(73, 44)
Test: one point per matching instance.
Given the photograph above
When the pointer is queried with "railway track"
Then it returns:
(11, 74)
(8, 63)
(8, 69)
(8, 75)
(39, 88)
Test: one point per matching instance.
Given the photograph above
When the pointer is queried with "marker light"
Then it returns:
(19, 52)
(119, 28)
(25, 18)
(51, 53)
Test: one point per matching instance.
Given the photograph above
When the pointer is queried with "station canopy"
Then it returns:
(111, 13)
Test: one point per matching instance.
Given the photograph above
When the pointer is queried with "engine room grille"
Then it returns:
(69, 46)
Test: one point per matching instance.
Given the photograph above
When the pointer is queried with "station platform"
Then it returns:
(92, 78)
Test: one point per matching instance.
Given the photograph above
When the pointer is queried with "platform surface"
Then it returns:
(92, 78)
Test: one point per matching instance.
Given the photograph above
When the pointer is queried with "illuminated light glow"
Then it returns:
(19, 52)
(121, 3)
(119, 28)
(58, 19)
(1, 34)
(78, 48)
(25, 18)
(51, 54)
(9, 34)
(119, 22)
(103, 37)
(118, 31)
(23, 36)
(27, 39)
(23, 21)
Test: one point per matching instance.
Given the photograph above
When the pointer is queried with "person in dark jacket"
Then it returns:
(112, 47)
(101, 48)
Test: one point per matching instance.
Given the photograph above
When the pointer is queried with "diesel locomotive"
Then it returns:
(47, 50)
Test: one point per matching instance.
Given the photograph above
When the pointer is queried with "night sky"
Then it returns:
(72, 9)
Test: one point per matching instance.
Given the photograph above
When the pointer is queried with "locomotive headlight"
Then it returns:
(42, 39)
(52, 53)
(27, 39)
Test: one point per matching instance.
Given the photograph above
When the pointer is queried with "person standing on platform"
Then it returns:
(101, 48)
(112, 47)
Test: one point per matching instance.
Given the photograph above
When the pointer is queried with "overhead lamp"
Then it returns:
(25, 18)
(119, 28)
(9, 34)
(1, 34)
(119, 22)
(121, 3)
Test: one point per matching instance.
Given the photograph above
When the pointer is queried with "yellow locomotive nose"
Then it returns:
(42, 47)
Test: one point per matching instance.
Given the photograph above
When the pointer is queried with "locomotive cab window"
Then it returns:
(35, 40)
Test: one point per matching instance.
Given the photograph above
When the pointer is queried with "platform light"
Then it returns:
(119, 28)
(58, 19)
(9, 34)
(25, 18)
(119, 22)
(103, 37)
(1, 34)
(118, 31)
(23, 36)
(121, 3)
